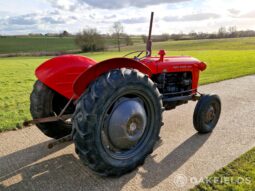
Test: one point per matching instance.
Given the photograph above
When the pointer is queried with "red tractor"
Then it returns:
(112, 110)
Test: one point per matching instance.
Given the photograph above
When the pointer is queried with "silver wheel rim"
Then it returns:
(127, 123)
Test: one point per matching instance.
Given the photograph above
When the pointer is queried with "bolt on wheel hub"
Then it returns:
(132, 127)
(127, 123)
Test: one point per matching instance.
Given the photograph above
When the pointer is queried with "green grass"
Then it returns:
(49, 44)
(208, 44)
(36, 44)
(16, 79)
(242, 170)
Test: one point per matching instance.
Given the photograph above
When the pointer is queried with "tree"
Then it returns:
(165, 37)
(64, 34)
(90, 40)
(222, 32)
(128, 40)
(193, 34)
(117, 31)
(176, 36)
(144, 37)
(233, 31)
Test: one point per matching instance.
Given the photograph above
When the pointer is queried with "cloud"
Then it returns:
(68, 5)
(110, 16)
(134, 20)
(192, 17)
(92, 16)
(74, 15)
(52, 20)
(27, 19)
(32, 22)
(234, 11)
(117, 4)
(250, 15)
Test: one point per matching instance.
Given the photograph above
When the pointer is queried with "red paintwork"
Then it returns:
(93, 72)
(59, 73)
(70, 75)
(176, 64)
(161, 54)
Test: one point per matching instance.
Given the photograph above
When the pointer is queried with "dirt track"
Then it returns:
(27, 164)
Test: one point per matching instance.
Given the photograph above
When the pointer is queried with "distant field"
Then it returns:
(17, 74)
(55, 44)
(35, 44)
(46, 44)
(207, 44)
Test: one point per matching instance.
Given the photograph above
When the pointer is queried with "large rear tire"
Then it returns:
(117, 122)
(44, 102)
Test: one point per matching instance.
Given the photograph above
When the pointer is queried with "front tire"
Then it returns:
(207, 113)
(117, 122)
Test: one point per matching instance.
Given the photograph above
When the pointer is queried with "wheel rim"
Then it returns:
(210, 114)
(127, 123)
(129, 145)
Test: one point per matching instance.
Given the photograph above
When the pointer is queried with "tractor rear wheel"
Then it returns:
(44, 102)
(207, 113)
(117, 122)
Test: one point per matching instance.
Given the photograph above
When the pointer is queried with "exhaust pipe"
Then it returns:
(149, 42)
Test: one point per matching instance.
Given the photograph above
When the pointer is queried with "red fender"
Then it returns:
(59, 73)
(95, 71)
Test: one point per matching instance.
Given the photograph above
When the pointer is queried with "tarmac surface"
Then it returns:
(178, 163)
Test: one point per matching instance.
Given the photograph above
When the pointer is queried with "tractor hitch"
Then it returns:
(60, 117)
(47, 119)
(67, 138)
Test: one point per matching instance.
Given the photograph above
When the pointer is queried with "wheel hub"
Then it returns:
(210, 114)
(127, 123)
(132, 127)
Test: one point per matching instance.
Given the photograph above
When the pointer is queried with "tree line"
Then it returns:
(98, 42)
(223, 32)
(90, 40)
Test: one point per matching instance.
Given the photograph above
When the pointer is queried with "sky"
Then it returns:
(171, 16)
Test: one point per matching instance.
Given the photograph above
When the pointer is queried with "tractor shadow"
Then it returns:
(25, 157)
(34, 169)
(157, 172)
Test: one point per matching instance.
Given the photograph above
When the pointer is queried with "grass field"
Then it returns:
(35, 44)
(46, 44)
(209, 44)
(17, 74)
(55, 44)
(237, 176)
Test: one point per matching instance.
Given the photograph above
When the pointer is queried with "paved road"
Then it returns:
(26, 163)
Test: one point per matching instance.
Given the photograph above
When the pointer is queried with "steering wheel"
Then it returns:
(137, 57)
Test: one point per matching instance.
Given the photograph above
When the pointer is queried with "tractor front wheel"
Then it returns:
(207, 113)
(117, 122)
